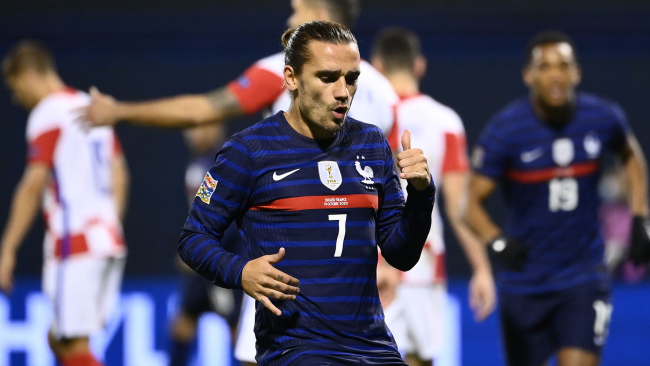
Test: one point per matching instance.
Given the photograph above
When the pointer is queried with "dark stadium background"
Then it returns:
(141, 49)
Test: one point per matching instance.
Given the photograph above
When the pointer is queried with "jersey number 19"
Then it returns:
(563, 194)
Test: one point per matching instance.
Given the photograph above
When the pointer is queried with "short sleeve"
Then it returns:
(489, 154)
(620, 128)
(257, 88)
(117, 146)
(43, 132)
(455, 158)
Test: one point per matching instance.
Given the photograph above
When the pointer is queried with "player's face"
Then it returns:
(22, 89)
(304, 12)
(553, 74)
(326, 86)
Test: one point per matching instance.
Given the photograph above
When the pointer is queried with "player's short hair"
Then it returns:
(27, 55)
(296, 41)
(345, 12)
(397, 48)
(548, 37)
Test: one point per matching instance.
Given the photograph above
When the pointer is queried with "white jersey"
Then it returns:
(80, 212)
(261, 86)
(439, 132)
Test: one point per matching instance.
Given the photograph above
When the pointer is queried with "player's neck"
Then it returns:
(51, 83)
(555, 116)
(298, 121)
(404, 84)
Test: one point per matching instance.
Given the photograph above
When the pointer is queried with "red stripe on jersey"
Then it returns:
(78, 244)
(544, 175)
(117, 146)
(321, 202)
(455, 159)
(41, 149)
(257, 88)
(440, 274)
(393, 136)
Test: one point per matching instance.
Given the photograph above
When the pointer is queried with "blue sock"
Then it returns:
(179, 353)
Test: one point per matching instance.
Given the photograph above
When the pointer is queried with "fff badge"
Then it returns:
(330, 175)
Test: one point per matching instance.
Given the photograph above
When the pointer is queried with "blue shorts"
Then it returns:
(535, 326)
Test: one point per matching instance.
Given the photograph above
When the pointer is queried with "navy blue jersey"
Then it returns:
(550, 178)
(329, 204)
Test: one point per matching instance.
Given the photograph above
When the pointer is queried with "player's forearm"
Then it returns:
(479, 221)
(23, 211)
(473, 247)
(401, 243)
(637, 174)
(204, 254)
(121, 181)
(176, 112)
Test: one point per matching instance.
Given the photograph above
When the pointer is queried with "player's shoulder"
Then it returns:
(273, 63)
(425, 105)
(512, 114)
(600, 105)
(267, 127)
(374, 82)
(55, 109)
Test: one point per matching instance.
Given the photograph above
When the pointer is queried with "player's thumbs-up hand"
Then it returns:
(263, 282)
(413, 164)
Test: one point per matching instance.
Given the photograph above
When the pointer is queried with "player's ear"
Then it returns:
(378, 64)
(576, 75)
(290, 79)
(420, 66)
(527, 76)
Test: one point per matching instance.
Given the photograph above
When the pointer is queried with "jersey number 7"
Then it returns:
(339, 239)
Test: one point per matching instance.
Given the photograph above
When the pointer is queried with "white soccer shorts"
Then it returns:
(83, 291)
(245, 346)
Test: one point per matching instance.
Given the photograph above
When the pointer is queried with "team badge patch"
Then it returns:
(592, 145)
(563, 151)
(366, 173)
(330, 175)
(207, 188)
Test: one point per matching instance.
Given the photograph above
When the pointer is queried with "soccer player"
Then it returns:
(81, 178)
(260, 87)
(315, 193)
(198, 295)
(439, 130)
(547, 150)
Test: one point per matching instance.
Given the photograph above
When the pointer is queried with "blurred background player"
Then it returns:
(439, 130)
(259, 87)
(198, 295)
(548, 149)
(81, 178)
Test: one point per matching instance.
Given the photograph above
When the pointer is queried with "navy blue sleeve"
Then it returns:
(402, 228)
(489, 155)
(619, 130)
(222, 198)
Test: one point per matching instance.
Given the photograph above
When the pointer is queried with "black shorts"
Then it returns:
(199, 296)
(535, 326)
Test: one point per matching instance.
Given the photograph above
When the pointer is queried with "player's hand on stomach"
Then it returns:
(413, 164)
(7, 264)
(100, 111)
(640, 240)
(263, 282)
(510, 251)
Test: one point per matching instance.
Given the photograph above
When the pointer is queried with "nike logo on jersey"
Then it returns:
(530, 156)
(277, 177)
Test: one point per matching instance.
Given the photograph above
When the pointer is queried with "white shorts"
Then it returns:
(245, 346)
(418, 322)
(83, 291)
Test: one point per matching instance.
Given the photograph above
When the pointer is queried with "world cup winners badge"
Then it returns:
(330, 175)
(207, 188)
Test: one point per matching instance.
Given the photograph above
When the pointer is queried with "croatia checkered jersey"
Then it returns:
(439, 132)
(262, 87)
(80, 212)
(330, 205)
(550, 181)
